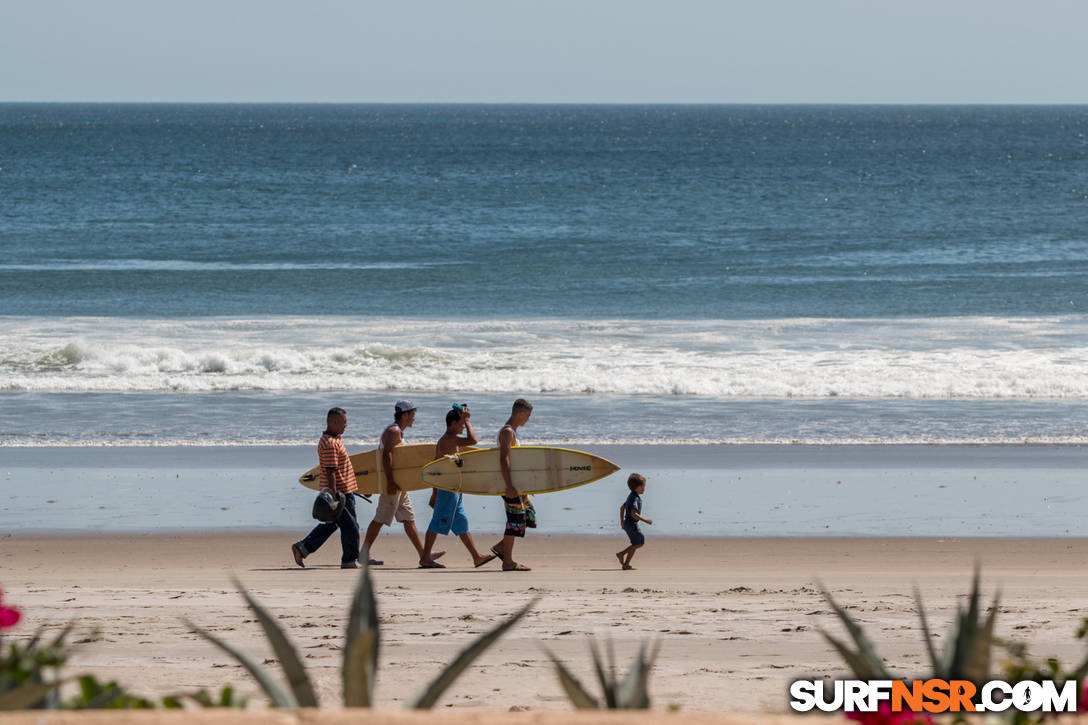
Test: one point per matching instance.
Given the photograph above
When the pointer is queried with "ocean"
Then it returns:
(220, 275)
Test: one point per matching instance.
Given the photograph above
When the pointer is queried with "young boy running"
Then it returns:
(630, 515)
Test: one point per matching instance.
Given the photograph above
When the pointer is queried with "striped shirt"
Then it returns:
(332, 454)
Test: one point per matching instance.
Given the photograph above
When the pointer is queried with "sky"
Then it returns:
(554, 51)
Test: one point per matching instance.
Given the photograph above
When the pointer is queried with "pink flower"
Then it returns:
(885, 716)
(8, 617)
(1082, 703)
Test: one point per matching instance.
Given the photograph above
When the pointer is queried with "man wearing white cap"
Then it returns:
(395, 503)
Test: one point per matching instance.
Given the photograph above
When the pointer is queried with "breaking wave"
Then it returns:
(957, 358)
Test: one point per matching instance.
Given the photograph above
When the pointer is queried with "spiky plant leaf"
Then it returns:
(633, 692)
(360, 668)
(576, 691)
(977, 663)
(964, 631)
(278, 696)
(934, 660)
(26, 696)
(360, 676)
(427, 697)
(859, 665)
(297, 678)
(608, 685)
(873, 666)
(971, 639)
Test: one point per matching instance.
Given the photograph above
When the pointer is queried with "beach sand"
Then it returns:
(738, 618)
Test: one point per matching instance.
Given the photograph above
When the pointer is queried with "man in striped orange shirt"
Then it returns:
(336, 475)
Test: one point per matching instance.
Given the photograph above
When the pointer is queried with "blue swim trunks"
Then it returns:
(634, 533)
(449, 514)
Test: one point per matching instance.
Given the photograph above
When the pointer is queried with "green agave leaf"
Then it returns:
(297, 678)
(608, 686)
(359, 676)
(977, 667)
(858, 664)
(576, 691)
(279, 696)
(934, 660)
(26, 696)
(873, 666)
(360, 668)
(966, 631)
(970, 649)
(633, 692)
(427, 698)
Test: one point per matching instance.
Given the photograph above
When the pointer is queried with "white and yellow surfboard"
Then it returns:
(533, 469)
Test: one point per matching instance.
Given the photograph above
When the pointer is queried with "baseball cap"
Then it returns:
(403, 406)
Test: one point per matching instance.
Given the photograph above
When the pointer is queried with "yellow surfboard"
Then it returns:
(408, 461)
(533, 469)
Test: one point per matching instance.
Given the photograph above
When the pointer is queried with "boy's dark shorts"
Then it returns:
(520, 515)
(634, 533)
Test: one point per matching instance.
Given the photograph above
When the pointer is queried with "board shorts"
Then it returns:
(449, 514)
(634, 533)
(520, 515)
(394, 505)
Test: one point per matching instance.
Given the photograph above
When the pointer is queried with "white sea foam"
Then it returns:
(953, 358)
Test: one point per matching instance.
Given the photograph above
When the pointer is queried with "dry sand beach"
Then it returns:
(738, 618)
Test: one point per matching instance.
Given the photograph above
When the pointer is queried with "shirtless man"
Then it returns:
(520, 513)
(394, 502)
(449, 513)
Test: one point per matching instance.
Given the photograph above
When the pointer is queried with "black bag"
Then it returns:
(328, 506)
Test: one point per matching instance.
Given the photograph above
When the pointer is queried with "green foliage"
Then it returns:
(630, 693)
(30, 678)
(1021, 667)
(360, 663)
(363, 638)
(967, 655)
(94, 695)
(30, 673)
(203, 698)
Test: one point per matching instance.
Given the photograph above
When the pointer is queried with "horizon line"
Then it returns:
(547, 103)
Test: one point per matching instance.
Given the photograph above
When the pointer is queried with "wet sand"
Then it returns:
(709, 490)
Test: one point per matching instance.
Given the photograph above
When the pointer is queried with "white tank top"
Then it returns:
(511, 430)
(381, 438)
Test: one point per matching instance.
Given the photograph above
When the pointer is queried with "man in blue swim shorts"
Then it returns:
(449, 513)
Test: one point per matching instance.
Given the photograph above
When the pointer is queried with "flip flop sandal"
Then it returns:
(517, 567)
